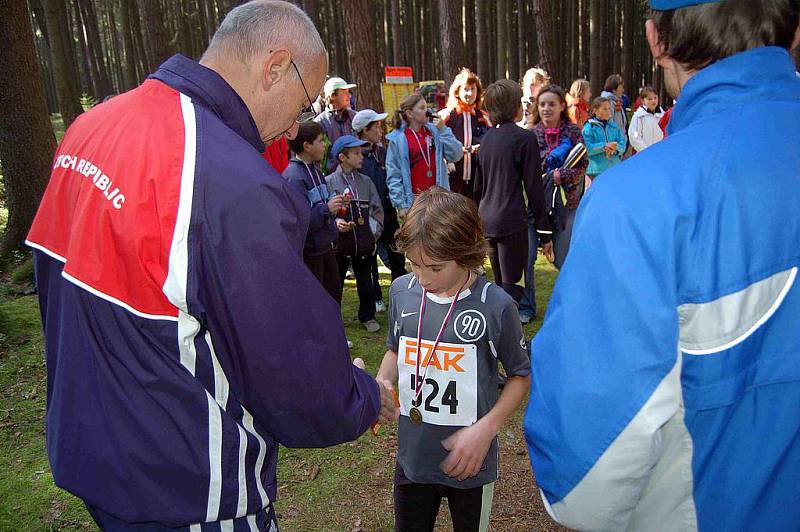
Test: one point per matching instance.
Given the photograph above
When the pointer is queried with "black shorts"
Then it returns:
(416, 505)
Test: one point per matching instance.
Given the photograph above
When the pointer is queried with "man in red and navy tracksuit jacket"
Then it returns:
(185, 339)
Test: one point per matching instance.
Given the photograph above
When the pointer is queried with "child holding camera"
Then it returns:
(418, 153)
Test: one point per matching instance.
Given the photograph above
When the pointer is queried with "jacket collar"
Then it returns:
(738, 80)
(207, 88)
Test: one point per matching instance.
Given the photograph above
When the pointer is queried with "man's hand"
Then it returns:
(344, 227)
(359, 363)
(468, 448)
(389, 410)
(401, 213)
(335, 203)
(557, 176)
(547, 251)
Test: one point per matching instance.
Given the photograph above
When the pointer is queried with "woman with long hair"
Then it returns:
(578, 98)
(556, 135)
(418, 153)
(468, 121)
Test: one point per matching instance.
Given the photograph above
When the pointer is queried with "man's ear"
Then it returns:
(275, 68)
(656, 47)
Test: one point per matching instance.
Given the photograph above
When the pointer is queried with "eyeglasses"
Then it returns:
(307, 113)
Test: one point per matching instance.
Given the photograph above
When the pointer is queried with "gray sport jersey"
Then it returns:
(461, 383)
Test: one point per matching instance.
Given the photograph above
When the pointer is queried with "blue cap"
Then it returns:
(345, 141)
(666, 5)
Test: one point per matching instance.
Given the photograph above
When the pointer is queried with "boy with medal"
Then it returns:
(448, 329)
(360, 222)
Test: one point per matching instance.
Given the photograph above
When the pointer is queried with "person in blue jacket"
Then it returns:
(605, 141)
(676, 405)
(185, 338)
(418, 153)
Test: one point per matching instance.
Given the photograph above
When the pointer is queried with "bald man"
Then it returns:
(185, 338)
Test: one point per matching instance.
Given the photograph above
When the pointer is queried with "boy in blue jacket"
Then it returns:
(605, 141)
(319, 252)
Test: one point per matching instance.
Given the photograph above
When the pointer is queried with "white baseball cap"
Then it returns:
(365, 118)
(334, 84)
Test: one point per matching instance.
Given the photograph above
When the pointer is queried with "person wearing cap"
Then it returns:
(675, 407)
(368, 125)
(337, 118)
(360, 222)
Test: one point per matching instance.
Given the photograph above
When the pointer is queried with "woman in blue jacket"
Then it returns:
(418, 153)
(605, 141)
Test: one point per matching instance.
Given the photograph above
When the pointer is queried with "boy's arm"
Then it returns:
(468, 447)
(593, 146)
(622, 143)
(388, 370)
(375, 210)
(634, 134)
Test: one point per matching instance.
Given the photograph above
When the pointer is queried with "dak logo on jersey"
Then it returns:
(470, 325)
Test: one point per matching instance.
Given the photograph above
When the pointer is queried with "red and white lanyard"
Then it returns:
(418, 383)
(467, 143)
(426, 153)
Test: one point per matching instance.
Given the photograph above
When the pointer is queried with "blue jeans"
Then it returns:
(527, 307)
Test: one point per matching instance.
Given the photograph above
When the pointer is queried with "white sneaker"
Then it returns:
(350, 344)
(380, 306)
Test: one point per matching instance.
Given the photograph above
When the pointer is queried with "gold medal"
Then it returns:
(360, 220)
(415, 415)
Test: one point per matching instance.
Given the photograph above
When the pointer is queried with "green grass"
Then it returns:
(347, 487)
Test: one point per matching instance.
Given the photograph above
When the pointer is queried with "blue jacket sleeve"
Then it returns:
(319, 212)
(278, 334)
(452, 149)
(394, 177)
(600, 399)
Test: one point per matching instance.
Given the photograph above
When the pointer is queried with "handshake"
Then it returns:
(390, 405)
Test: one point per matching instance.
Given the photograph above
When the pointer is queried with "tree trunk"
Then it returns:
(27, 143)
(362, 54)
(66, 84)
(129, 79)
(597, 40)
(142, 65)
(511, 40)
(94, 49)
(482, 52)
(157, 41)
(522, 44)
(543, 35)
(452, 43)
(629, 41)
(398, 35)
(470, 31)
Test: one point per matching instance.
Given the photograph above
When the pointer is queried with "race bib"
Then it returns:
(450, 390)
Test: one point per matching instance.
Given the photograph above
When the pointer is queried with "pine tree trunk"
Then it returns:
(482, 55)
(94, 48)
(522, 44)
(129, 79)
(597, 41)
(398, 35)
(27, 143)
(66, 84)
(452, 43)
(543, 35)
(362, 54)
(511, 40)
(156, 35)
(629, 41)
